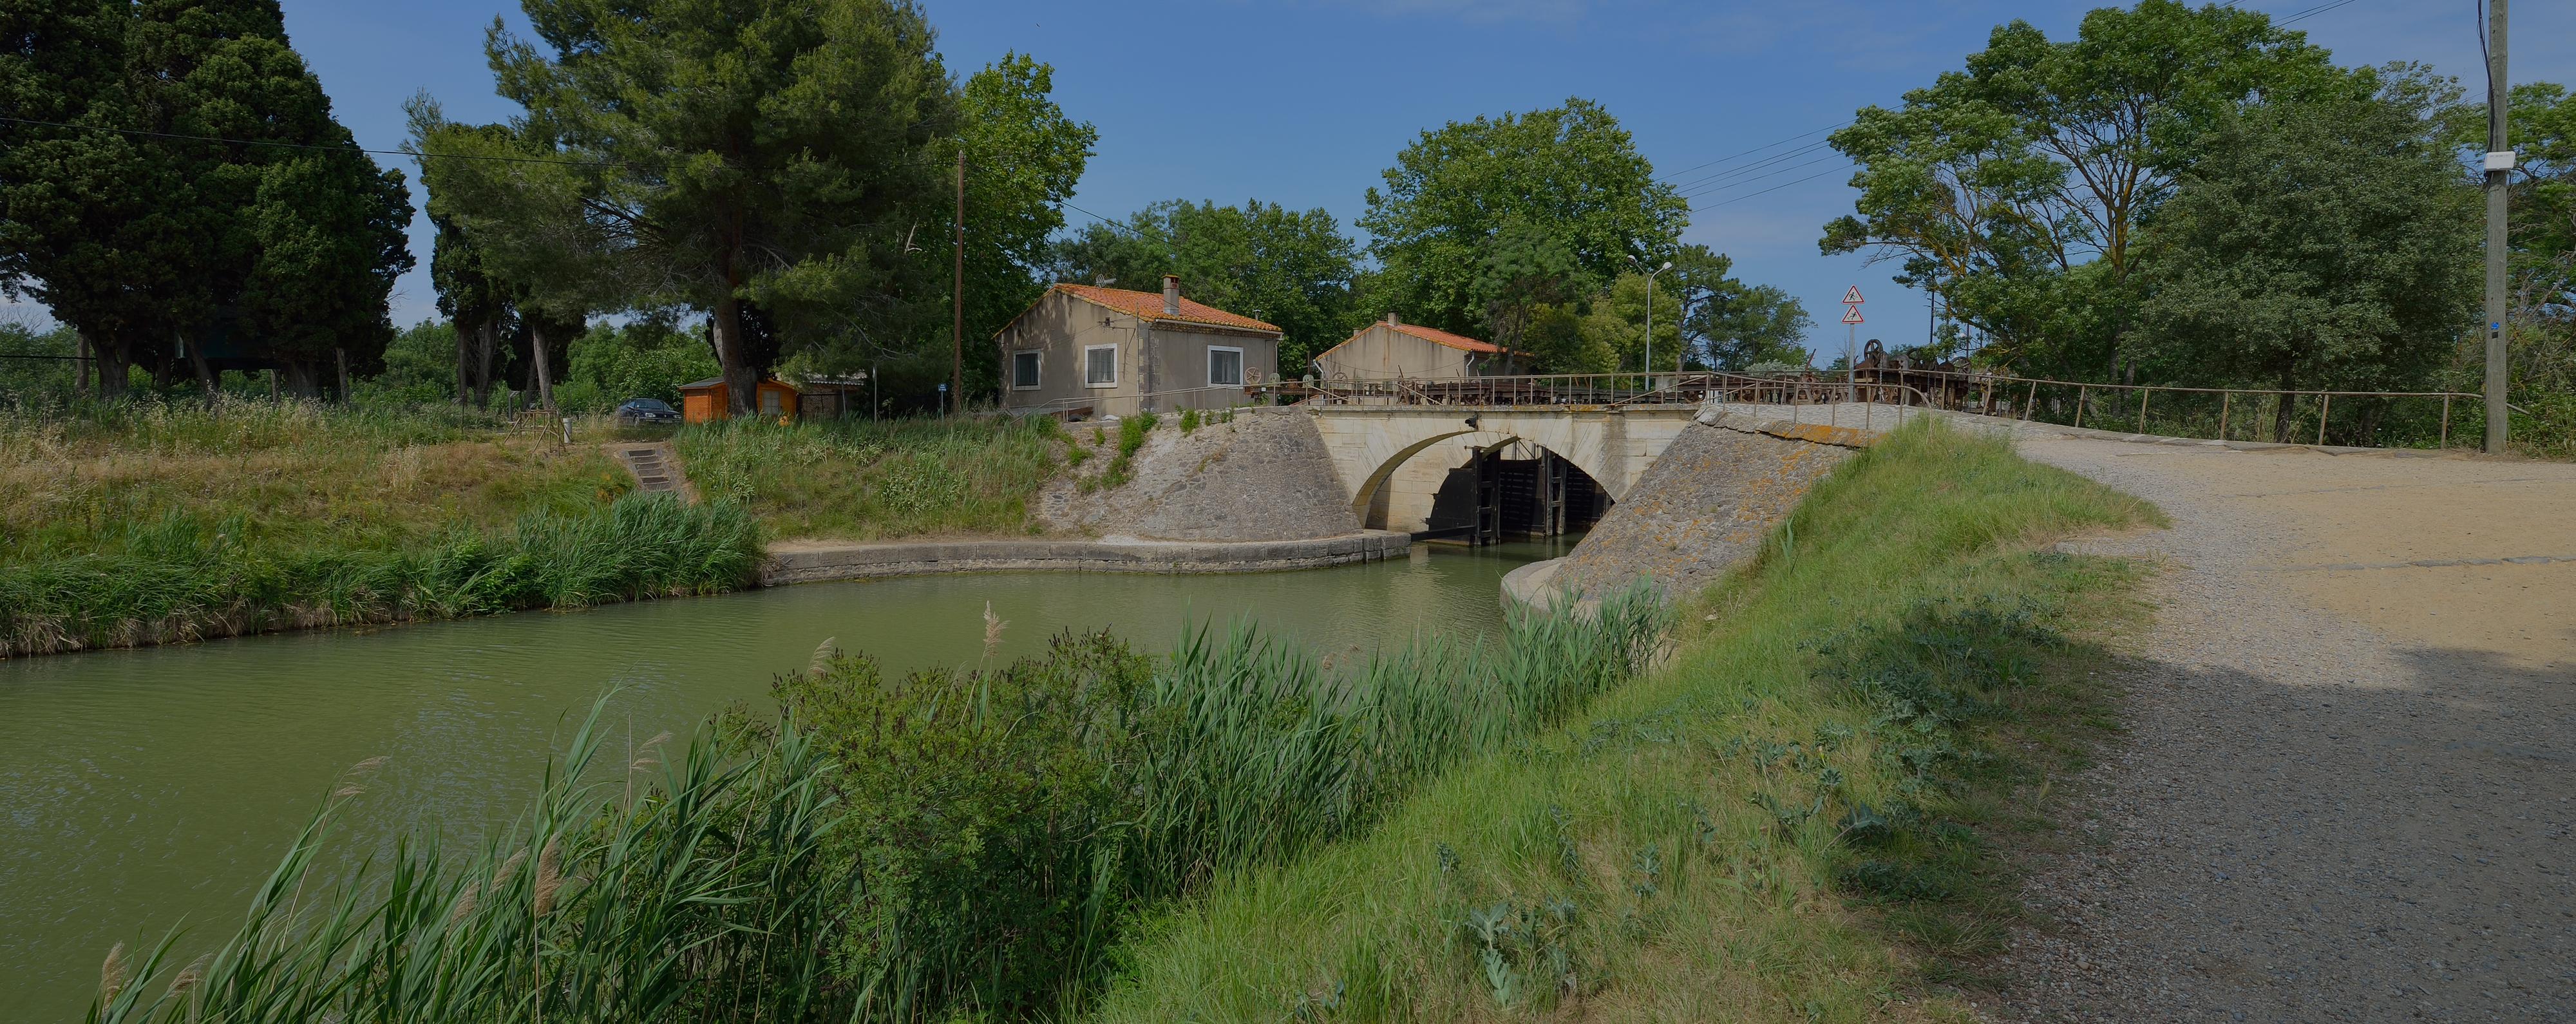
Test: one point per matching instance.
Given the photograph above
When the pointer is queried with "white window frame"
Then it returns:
(1240, 370)
(1087, 382)
(1039, 376)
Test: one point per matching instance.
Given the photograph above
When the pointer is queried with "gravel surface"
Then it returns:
(2334, 802)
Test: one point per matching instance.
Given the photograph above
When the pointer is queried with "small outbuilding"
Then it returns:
(1391, 348)
(708, 400)
(1090, 350)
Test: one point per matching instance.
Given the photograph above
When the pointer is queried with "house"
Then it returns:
(1088, 350)
(1391, 348)
(710, 399)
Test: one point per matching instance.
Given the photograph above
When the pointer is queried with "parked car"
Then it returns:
(642, 411)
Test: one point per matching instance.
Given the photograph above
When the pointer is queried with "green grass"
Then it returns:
(944, 846)
(1791, 820)
(299, 477)
(186, 578)
(865, 480)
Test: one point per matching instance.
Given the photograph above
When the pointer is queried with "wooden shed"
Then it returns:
(708, 400)
(824, 398)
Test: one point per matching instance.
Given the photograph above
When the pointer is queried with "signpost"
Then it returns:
(1851, 334)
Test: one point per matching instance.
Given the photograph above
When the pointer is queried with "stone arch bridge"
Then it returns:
(1371, 445)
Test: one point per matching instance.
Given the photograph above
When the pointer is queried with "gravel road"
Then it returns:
(2347, 787)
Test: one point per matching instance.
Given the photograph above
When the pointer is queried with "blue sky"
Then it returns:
(1305, 102)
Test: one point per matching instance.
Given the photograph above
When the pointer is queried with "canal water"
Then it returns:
(150, 788)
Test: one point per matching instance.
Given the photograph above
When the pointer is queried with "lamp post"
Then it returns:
(1649, 364)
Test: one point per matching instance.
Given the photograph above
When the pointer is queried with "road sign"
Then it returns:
(1851, 314)
(1852, 297)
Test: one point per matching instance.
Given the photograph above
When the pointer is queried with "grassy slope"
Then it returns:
(300, 476)
(864, 480)
(1766, 828)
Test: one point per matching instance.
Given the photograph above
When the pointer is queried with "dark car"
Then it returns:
(642, 411)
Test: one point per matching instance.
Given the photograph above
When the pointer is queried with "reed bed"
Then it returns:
(182, 578)
(870, 480)
(947, 845)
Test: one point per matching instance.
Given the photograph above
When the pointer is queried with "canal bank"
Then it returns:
(153, 786)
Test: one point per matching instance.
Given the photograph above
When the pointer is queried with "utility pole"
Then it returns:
(957, 297)
(2499, 166)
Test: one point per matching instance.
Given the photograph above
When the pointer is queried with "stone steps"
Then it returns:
(652, 468)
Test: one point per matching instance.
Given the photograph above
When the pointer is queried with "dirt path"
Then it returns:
(2349, 782)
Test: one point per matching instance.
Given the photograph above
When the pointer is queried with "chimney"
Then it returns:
(1391, 321)
(1171, 295)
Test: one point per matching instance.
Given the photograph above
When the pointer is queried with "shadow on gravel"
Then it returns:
(2310, 846)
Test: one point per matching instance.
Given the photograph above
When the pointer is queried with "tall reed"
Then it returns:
(181, 579)
(1011, 822)
(942, 846)
(701, 896)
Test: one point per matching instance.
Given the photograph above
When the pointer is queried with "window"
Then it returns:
(769, 402)
(1225, 365)
(1100, 366)
(1024, 370)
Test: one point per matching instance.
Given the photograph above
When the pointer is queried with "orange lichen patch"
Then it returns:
(1818, 433)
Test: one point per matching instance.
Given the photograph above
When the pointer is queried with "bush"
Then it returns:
(1008, 824)
(183, 579)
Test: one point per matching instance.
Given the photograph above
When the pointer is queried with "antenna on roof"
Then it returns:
(1103, 282)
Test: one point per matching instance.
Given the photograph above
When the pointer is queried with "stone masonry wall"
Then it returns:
(1698, 510)
(1263, 476)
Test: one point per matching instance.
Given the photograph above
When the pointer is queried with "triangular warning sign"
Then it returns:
(1851, 314)
(1852, 297)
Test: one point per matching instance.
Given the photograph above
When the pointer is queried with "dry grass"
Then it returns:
(298, 476)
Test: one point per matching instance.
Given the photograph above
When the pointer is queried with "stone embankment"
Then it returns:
(1251, 493)
(1261, 475)
(1704, 506)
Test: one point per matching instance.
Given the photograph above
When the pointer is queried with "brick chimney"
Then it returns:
(1171, 295)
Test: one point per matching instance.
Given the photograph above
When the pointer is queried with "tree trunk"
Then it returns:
(537, 352)
(464, 362)
(740, 383)
(486, 341)
(197, 359)
(112, 359)
(342, 355)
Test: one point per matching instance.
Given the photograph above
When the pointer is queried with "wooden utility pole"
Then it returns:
(957, 297)
(2499, 167)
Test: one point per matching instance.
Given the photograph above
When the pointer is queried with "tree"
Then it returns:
(1995, 184)
(747, 151)
(477, 305)
(1293, 269)
(2314, 245)
(79, 204)
(1618, 322)
(152, 240)
(1023, 158)
(1729, 324)
(1568, 174)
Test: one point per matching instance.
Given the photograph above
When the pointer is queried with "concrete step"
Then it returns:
(651, 467)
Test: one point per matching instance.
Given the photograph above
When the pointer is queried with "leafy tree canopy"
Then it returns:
(2314, 245)
(1473, 207)
(1993, 185)
(1263, 260)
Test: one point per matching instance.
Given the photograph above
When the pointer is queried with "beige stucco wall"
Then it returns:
(1380, 352)
(1154, 360)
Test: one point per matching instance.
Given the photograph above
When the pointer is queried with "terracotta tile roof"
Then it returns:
(1149, 306)
(1456, 341)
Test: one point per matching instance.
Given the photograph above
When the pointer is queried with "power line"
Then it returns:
(1780, 186)
(1739, 172)
(1747, 181)
(1750, 152)
(355, 148)
(2311, 12)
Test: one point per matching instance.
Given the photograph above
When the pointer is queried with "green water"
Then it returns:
(142, 789)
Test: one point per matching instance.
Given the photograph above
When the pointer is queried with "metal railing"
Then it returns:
(2388, 419)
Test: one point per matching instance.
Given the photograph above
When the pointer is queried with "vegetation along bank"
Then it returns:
(1792, 812)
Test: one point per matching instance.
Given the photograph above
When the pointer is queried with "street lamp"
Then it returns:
(1649, 366)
